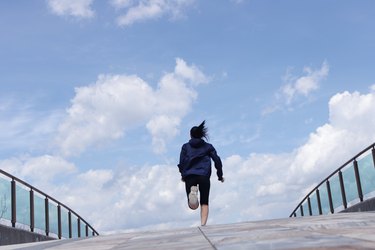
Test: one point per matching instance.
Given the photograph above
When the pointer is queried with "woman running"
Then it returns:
(195, 169)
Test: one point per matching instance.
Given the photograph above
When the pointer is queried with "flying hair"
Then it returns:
(199, 131)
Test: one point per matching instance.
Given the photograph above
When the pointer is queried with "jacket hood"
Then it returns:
(196, 143)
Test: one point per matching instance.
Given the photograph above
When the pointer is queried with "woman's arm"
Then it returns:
(218, 163)
(182, 163)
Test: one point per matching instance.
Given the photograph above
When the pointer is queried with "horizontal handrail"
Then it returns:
(332, 174)
(32, 188)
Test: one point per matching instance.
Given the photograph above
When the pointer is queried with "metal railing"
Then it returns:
(28, 208)
(348, 185)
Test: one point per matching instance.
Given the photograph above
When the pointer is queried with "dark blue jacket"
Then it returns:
(195, 159)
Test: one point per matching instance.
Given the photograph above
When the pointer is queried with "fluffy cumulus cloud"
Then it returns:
(351, 119)
(303, 85)
(103, 111)
(350, 129)
(258, 186)
(162, 128)
(263, 186)
(127, 199)
(75, 8)
(42, 169)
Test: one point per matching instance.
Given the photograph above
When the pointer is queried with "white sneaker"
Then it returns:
(193, 197)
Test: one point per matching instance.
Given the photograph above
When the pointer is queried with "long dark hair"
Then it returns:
(199, 131)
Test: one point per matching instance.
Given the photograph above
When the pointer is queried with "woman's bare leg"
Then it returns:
(204, 214)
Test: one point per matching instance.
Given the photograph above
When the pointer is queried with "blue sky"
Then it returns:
(104, 93)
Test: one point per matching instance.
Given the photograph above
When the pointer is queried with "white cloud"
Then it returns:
(116, 103)
(258, 186)
(101, 112)
(137, 11)
(149, 196)
(271, 189)
(191, 73)
(267, 186)
(303, 85)
(42, 169)
(296, 87)
(76, 8)
(350, 129)
(349, 110)
(162, 128)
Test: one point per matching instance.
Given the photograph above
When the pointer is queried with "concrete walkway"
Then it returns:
(338, 231)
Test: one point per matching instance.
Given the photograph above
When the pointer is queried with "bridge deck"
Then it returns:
(337, 231)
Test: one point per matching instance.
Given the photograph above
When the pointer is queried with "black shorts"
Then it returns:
(204, 186)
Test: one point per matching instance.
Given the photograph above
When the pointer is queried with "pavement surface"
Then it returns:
(336, 231)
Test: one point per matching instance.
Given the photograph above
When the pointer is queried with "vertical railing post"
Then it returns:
(342, 187)
(319, 202)
(79, 227)
(358, 180)
(330, 197)
(302, 213)
(87, 230)
(46, 210)
(59, 231)
(309, 205)
(70, 223)
(373, 156)
(32, 216)
(14, 203)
